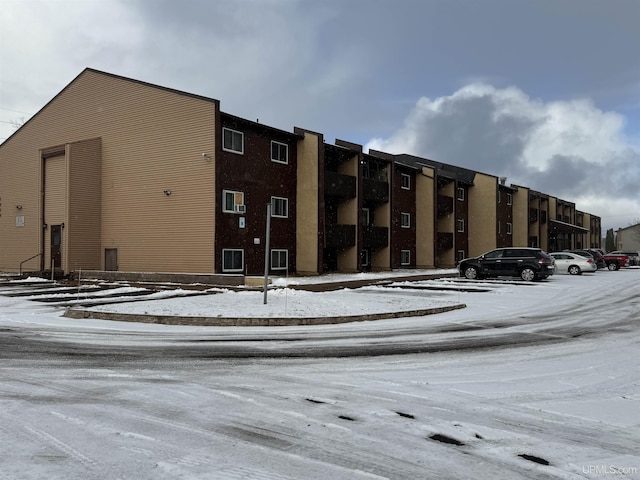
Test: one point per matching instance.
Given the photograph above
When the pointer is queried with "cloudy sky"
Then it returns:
(544, 92)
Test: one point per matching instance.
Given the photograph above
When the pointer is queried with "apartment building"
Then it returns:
(118, 174)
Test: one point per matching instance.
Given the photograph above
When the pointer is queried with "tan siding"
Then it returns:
(482, 214)
(425, 218)
(307, 205)
(521, 217)
(348, 215)
(152, 140)
(83, 223)
(55, 203)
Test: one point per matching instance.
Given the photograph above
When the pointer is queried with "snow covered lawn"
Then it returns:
(530, 381)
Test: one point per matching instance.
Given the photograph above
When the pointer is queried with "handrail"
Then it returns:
(30, 258)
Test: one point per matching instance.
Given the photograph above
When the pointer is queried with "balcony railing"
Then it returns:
(375, 191)
(375, 237)
(533, 215)
(339, 185)
(341, 235)
(444, 241)
(445, 205)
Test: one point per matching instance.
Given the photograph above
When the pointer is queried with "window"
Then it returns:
(406, 181)
(461, 224)
(364, 258)
(508, 229)
(279, 207)
(405, 220)
(460, 255)
(233, 202)
(405, 257)
(279, 152)
(279, 259)
(509, 198)
(366, 217)
(232, 260)
(499, 196)
(232, 141)
(460, 193)
(498, 227)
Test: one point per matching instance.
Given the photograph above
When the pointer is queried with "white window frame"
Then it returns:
(230, 148)
(499, 196)
(364, 258)
(279, 252)
(232, 270)
(404, 253)
(509, 228)
(509, 198)
(285, 202)
(460, 225)
(286, 152)
(406, 181)
(405, 220)
(236, 195)
(461, 255)
(366, 213)
(460, 193)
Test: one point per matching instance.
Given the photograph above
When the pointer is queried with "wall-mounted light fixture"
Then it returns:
(19, 207)
(167, 192)
(206, 156)
(45, 226)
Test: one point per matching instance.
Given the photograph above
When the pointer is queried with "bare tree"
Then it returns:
(18, 123)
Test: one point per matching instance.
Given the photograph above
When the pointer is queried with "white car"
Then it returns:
(572, 263)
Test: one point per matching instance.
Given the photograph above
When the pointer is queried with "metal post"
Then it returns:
(266, 252)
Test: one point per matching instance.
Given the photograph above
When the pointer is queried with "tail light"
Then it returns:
(589, 260)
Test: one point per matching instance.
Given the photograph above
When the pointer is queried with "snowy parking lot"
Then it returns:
(529, 381)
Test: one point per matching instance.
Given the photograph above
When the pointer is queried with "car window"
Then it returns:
(494, 254)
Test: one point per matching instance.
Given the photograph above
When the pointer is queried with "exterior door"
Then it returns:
(111, 259)
(56, 246)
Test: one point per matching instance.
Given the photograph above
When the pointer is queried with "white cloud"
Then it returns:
(569, 149)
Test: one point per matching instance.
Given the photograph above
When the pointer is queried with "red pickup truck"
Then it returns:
(616, 260)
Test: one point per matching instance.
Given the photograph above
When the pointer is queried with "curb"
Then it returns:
(251, 322)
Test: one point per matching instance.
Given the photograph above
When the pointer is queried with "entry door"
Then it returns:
(111, 259)
(56, 246)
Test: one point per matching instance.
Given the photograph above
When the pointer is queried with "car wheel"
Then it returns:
(613, 266)
(527, 274)
(574, 270)
(471, 273)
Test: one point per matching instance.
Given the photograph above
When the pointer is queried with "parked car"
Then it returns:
(572, 263)
(616, 261)
(591, 253)
(527, 263)
(634, 257)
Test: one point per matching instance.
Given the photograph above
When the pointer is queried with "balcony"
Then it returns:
(543, 216)
(445, 205)
(341, 236)
(375, 237)
(444, 241)
(375, 191)
(533, 215)
(339, 185)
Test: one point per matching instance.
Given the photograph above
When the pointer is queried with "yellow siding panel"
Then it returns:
(152, 140)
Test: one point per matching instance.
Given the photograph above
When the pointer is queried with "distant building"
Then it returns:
(117, 174)
(628, 238)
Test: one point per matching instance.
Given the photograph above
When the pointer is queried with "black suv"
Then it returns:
(527, 263)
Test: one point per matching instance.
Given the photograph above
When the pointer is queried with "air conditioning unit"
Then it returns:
(241, 208)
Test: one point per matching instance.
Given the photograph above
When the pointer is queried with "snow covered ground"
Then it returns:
(530, 381)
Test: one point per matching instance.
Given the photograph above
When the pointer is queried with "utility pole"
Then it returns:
(266, 252)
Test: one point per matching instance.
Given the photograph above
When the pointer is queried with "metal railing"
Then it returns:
(25, 261)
